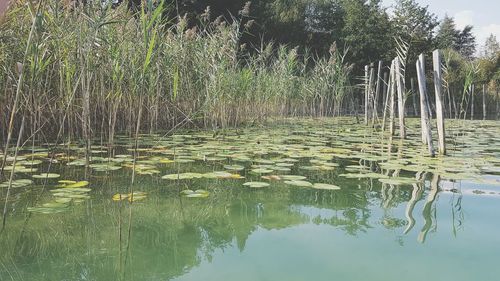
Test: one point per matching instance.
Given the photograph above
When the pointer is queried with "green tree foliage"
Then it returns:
(415, 25)
(462, 41)
(491, 47)
(367, 31)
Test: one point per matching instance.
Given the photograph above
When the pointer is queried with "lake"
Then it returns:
(296, 199)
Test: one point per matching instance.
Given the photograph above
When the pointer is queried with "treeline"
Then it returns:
(365, 27)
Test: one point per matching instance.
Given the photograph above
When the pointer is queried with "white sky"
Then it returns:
(484, 15)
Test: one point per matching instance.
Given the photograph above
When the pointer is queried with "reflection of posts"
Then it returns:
(416, 195)
(427, 212)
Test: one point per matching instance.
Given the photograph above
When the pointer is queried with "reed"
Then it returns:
(92, 71)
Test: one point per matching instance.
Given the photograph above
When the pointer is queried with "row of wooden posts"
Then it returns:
(396, 86)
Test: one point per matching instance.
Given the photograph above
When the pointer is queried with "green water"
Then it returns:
(438, 219)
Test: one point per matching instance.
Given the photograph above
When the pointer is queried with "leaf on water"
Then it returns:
(200, 193)
(300, 183)
(77, 184)
(293, 177)
(46, 176)
(17, 183)
(325, 186)
(272, 177)
(234, 167)
(183, 176)
(261, 171)
(256, 184)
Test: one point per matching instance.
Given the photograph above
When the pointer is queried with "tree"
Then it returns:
(466, 42)
(447, 34)
(415, 25)
(462, 41)
(491, 47)
(413, 21)
(367, 31)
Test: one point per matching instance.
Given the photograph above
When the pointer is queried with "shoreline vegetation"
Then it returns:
(98, 71)
(89, 71)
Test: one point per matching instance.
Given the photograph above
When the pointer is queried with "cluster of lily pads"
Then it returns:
(287, 154)
(67, 193)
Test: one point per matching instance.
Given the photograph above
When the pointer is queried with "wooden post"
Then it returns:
(484, 102)
(392, 90)
(366, 94)
(498, 105)
(370, 92)
(472, 101)
(414, 96)
(438, 86)
(401, 101)
(377, 93)
(386, 98)
(424, 108)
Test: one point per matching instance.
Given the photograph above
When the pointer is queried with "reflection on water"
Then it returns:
(434, 228)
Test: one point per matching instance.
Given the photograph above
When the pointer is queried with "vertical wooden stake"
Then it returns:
(371, 94)
(472, 101)
(401, 101)
(366, 94)
(386, 97)
(392, 90)
(414, 96)
(438, 79)
(484, 102)
(377, 93)
(424, 108)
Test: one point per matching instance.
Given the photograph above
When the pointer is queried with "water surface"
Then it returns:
(398, 215)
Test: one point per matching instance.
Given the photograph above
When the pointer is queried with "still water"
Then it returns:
(385, 210)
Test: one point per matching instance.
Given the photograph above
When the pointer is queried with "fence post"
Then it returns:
(484, 102)
(377, 93)
(392, 90)
(366, 94)
(401, 101)
(424, 107)
(438, 80)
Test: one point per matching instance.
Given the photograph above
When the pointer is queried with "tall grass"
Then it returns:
(90, 71)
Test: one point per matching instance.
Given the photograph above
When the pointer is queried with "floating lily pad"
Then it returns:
(234, 167)
(261, 171)
(17, 183)
(200, 193)
(272, 177)
(300, 183)
(182, 176)
(256, 184)
(46, 176)
(325, 186)
(293, 177)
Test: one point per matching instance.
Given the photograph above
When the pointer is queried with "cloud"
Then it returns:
(464, 18)
(467, 17)
(484, 32)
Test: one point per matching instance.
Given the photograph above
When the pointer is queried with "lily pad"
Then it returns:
(17, 183)
(325, 186)
(299, 183)
(46, 176)
(256, 184)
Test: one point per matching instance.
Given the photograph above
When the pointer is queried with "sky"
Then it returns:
(484, 15)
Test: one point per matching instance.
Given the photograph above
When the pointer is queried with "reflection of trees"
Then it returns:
(171, 235)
